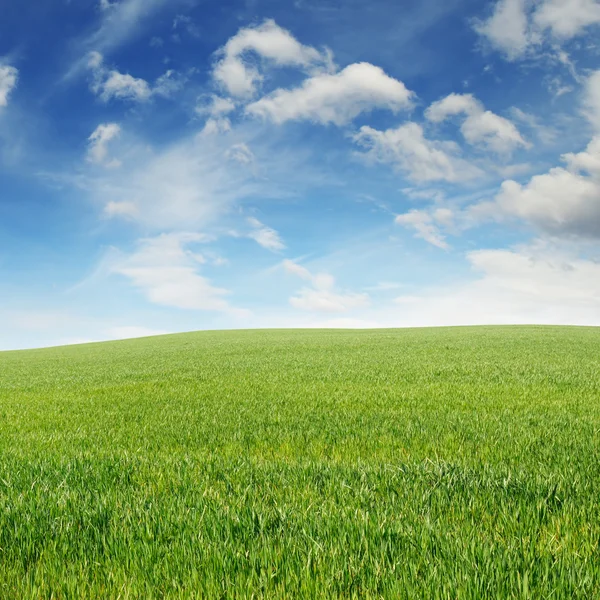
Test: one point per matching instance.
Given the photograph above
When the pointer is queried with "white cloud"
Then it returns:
(186, 184)
(335, 98)
(265, 236)
(8, 81)
(98, 144)
(507, 29)
(322, 296)
(215, 126)
(215, 107)
(111, 84)
(123, 87)
(539, 283)
(121, 209)
(567, 18)
(272, 44)
(241, 154)
(480, 127)
(516, 27)
(564, 201)
(592, 99)
(167, 273)
(424, 224)
(120, 22)
(168, 84)
(408, 149)
(545, 134)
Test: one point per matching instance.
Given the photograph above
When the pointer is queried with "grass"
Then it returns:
(432, 463)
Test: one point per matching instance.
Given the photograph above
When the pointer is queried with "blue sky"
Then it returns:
(174, 165)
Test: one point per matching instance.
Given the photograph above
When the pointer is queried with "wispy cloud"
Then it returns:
(166, 270)
(322, 295)
(9, 76)
(119, 23)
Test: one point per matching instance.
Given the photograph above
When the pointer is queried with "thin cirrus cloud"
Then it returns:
(265, 236)
(187, 184)
(426, 224)
(119, 23)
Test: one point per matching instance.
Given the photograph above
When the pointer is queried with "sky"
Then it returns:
(179, 165)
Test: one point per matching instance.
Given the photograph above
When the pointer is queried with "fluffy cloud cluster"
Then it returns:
(8, 81)
(325, 96)
(479, 127)
(407, 149)
(322, 295)
(565, 201)
(216, 108)
(270, 43)
(517, 26)
(109, 84)
(335, 98)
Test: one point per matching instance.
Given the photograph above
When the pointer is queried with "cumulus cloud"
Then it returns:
(109, 84)
(98, 144)
(480, 127)
(567, 18)
(270, 43)
(565, 201)
(322, 295)
(335, 98)
(516, 27)
(8, 81)
(265, 236)
(216, 108)
(166, 271)
(507, 29)
(407, 149)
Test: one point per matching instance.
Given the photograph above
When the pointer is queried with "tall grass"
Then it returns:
(432, 463)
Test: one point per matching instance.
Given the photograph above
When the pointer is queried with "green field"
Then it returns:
(424, 463)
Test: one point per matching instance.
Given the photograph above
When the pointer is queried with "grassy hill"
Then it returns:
(425, 463)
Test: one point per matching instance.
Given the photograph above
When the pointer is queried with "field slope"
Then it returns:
(429, 463)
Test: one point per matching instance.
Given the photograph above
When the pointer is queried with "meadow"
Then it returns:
(420, 463)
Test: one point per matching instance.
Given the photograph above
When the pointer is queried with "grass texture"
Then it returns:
(428, 463)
